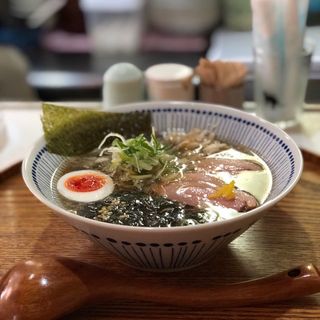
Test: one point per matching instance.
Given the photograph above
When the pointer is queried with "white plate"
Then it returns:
(23, 128)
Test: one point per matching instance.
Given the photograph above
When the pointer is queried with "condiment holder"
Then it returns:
(218, 82)
(221, 82)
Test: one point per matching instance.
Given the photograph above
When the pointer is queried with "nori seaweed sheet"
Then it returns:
(72, 131)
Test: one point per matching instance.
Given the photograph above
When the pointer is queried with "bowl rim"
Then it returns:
(149, 105)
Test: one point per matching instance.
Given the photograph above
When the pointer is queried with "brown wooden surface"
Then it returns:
(287, 236)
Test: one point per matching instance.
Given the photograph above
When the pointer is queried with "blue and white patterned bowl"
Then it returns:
(179, 247)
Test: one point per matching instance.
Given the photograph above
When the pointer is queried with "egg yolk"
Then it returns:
(85, 183)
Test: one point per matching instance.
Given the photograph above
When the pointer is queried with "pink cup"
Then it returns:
(170, 81)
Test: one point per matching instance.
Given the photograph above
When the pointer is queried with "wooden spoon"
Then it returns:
(52, 287)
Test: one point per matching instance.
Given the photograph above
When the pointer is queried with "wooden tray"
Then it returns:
(287, 236)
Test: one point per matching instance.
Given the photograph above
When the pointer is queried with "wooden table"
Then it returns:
(288, 235)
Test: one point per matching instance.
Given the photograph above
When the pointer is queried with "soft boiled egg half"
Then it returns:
(85, 185)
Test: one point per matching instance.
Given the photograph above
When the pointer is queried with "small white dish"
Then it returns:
(22, 129)
(3, 132)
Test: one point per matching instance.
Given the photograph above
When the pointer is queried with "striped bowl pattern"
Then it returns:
(179, 247)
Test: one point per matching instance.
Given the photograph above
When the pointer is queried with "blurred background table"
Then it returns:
(67, 53)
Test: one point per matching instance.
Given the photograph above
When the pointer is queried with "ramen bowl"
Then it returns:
(177, 248)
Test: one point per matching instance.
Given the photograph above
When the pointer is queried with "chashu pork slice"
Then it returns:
(195, 187)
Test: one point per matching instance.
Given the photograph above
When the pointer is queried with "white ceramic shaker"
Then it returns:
(122, 83)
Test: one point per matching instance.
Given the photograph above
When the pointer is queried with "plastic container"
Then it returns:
(114, 26)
